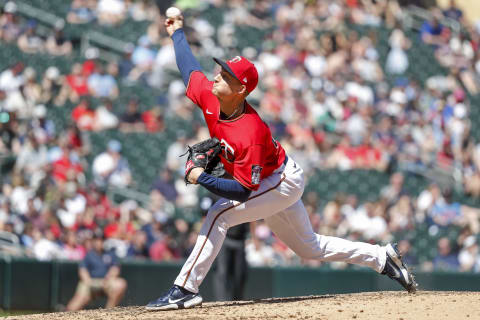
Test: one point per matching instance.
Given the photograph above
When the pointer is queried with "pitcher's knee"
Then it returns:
(307, 254)
(215, 216)
(218, 209)
(211, 215)
(312, 251)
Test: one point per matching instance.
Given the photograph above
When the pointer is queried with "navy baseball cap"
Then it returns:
(242, 70)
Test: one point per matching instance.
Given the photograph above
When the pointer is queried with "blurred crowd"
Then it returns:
(327, 94)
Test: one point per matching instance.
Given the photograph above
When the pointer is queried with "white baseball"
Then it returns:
(173, 12)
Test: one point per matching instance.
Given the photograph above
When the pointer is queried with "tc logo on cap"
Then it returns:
(235, 59)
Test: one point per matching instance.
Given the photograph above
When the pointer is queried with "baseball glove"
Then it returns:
(204, 154)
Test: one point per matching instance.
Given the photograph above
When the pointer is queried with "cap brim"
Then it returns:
(225, 66)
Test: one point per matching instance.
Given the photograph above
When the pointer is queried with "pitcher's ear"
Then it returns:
(243, 90)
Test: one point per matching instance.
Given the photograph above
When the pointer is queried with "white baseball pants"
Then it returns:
(278, 201)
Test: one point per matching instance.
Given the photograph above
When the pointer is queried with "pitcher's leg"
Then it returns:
(207, 246)
(224, 214)
(293, 227)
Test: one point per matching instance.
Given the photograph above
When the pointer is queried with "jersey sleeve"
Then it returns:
(248, 168)
(198, 88)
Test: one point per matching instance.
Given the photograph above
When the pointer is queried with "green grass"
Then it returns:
(5, 313)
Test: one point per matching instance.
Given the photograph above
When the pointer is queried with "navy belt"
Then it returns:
(286, 160)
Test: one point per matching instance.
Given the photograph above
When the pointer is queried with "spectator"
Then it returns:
(333, 223)
(126, 65)
(10, 28)
(57, 44)
(111, 12)
(368, 222)
(432, 31)
(8, 138)
(404, 246)
(12, 78)
(65, 163)
(72, 250)
(20, 193)
(156, 32)
(468, 256)
(31, 93)
(142, 10)
(394, 190)
(138, 248)
(131, 120)
(71, 205)
(77, 140)
(397, 59)
(111, 168)
(161, 251)
(105, 118)
(257, 249)
(4, 212)
(446, 260)
(165, 184)
(99, 274)
(75, 85)
(161, 209)
(453, 12)
(101, 84)
(45, 247)
(83, 115)
(32, 160)
(446, 212)
(401, 216)
(30, 41)
(143, 57)
(118, 233)
(153, 119)
(51, 85)
(80, 12)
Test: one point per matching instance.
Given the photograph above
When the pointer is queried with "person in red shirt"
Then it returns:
(64, 168)
(153, 120)
(266, 183)
(77, 83)
(83, 115)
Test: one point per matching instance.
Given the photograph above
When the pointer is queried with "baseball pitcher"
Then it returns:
(267, 184)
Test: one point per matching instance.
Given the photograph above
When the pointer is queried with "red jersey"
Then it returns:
(249, 153)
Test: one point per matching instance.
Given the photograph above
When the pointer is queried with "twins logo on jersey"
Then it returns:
(227, 151)
(256, 172)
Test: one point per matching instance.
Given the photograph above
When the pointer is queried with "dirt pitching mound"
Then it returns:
(370, 305)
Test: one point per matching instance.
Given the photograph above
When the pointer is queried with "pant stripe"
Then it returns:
(218, 215)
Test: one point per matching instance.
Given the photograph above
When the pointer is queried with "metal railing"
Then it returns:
(128, 193)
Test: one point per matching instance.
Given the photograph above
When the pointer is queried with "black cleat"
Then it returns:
(397, 270)
(176, 298)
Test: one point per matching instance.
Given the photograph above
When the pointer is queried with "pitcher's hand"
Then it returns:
(173, 24)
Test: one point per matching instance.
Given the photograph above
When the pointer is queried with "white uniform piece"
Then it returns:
(278, 201)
